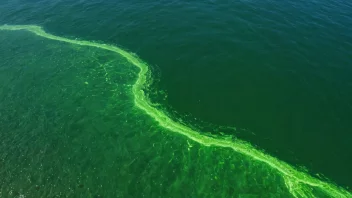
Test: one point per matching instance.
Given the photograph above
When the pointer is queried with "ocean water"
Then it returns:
(275, 74)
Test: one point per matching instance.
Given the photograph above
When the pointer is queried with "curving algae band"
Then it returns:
(75, 122)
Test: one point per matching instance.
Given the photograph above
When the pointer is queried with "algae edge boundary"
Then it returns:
(295, 181)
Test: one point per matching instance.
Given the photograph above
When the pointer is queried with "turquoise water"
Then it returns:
(275, 74)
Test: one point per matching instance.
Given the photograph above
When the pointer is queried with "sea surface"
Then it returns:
(276, 74)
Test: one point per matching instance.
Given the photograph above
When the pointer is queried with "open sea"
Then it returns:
(175, 98)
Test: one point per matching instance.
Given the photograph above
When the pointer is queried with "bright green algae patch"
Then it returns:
(75, 122)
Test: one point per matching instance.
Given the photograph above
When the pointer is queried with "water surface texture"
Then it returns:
(276, 74)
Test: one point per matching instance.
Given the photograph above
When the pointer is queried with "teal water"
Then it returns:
(277, 71)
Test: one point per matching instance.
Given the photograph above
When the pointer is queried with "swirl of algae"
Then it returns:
(299, 184)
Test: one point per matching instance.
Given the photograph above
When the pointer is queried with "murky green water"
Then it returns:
(75, 122)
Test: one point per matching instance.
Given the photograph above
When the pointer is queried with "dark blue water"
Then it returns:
(278, 71)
